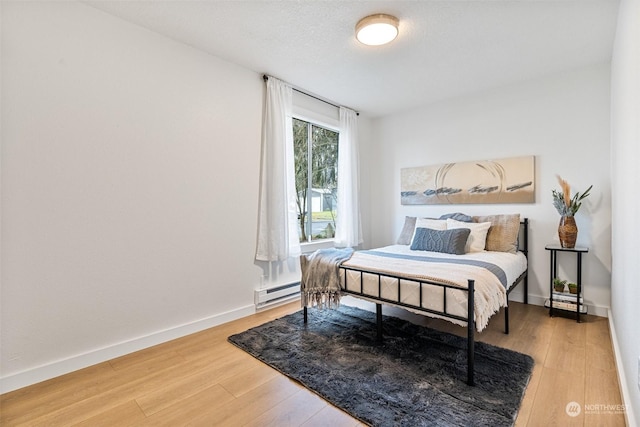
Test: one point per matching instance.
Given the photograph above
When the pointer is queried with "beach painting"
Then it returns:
(509, 180)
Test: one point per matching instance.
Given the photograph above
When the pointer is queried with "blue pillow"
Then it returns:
(447, 241)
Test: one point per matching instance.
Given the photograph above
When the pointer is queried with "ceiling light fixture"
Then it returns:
(376, 30)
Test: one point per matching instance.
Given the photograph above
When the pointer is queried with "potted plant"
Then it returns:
(558, 285)
(567, 207)
(573, 288)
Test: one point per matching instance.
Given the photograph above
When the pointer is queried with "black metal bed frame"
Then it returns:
(469, 319)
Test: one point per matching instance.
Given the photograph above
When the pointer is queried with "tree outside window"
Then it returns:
(316, 167)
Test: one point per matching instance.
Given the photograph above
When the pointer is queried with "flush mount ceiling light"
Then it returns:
(376, 30)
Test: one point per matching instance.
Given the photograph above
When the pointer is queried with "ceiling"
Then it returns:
(445, 48)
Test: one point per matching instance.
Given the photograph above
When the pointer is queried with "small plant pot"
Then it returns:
(573, 289)
(558, 285)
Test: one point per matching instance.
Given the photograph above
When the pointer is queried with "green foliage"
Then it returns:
(328, 233)
(558, 282)
(324, 215)
(569, 209)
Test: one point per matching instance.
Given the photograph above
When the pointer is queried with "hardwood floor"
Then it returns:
(201, 379)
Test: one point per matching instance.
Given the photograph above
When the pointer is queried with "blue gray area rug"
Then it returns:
(415, 377)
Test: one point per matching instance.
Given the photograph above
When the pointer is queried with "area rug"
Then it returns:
(415, 377)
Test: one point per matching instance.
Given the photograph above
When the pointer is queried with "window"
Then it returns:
(316, 167)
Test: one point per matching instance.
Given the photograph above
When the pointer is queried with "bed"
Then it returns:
(460, 271)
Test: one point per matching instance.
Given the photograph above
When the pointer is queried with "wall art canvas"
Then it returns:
(509, 180)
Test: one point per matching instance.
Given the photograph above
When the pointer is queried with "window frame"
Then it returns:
(316, 112)
(319, 243)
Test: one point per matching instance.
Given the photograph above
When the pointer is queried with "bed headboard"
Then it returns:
(523, 237)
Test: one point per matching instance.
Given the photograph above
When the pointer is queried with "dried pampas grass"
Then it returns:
(566, 190)
(562, 200)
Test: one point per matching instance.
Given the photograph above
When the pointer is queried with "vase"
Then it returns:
(567, 232)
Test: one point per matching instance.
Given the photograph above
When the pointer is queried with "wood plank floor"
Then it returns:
(203, 380)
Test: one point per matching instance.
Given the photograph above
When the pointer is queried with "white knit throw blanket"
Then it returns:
(320, 280)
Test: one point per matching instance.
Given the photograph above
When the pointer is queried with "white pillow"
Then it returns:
(434, 224)
(478, 236)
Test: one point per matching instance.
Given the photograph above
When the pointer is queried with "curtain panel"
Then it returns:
(277, 217)
(348, 226)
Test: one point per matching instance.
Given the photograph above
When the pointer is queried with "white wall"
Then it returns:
(130, 176)
(625, 177)
(122, 217)
(563, 120)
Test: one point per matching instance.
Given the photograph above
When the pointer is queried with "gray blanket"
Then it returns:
(320, 280)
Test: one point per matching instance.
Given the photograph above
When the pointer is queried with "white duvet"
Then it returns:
(490, 294)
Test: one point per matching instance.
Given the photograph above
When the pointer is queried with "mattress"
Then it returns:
(493, 272)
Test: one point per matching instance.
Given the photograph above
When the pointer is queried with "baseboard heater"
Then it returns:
(276, 295)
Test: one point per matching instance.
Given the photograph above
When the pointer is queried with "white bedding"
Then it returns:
(490, 294)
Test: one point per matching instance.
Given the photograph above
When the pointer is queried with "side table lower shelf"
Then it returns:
(568, 307)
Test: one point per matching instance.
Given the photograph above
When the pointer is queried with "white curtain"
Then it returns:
(348, 228)
(277, 223)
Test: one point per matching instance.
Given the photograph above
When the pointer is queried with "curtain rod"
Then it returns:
(266, 77)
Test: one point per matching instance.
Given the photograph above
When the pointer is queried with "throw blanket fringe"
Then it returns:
(320, 279)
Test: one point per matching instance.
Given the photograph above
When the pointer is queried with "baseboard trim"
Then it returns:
(74, 363)
(622, 378)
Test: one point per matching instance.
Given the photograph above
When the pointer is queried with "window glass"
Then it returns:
(316, 167)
